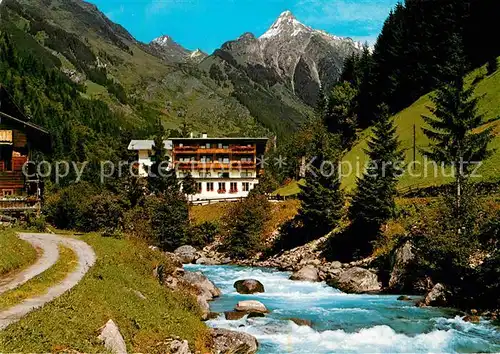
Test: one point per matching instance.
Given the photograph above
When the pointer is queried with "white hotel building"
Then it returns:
(223, 168)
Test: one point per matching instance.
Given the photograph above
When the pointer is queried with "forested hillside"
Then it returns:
(110, 65)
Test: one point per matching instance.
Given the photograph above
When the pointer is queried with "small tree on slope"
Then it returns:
(373, 202)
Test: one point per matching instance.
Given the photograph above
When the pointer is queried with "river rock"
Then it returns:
(255, 314)
(251, 306)
(234, 315)
(301, 322)
(186, 253)
(226, 341)
(206, 261)
(112, 338)
(404, 298)
(356, 280)
(472, 318)
(438, 296)
(249, 286)
(401, 279)
(205, 289)
(307, 273)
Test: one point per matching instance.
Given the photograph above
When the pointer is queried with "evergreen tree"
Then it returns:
(452, 128)
(321, 198)
(373, 202)
(160, 179)
(340, 113)
(169, 220)
(492, 65)
(245, 222)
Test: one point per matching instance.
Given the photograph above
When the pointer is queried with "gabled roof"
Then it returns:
(147, 144)
(14, 110)
(24, 123)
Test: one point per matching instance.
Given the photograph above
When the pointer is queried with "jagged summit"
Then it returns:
(163, 40)
(286, 23)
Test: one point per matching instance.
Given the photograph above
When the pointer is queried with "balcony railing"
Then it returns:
(186, 165)
(223, 150)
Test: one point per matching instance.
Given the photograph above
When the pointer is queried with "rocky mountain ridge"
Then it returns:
(302, 58)
(170, 51)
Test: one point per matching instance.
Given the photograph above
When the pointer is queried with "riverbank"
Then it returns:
(341, 322)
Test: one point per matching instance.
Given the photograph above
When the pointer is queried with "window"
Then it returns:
(246, 174)
(208, 145)
(210, 186)
(223, 174)
(198, 187)
(8, 192)
(219, 145)
(222, 187)
(205, 174)
(246, 186)
(225, 146)
(233, 187)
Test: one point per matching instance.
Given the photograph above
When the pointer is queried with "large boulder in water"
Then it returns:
(438, 296)
(226, 341)
(206, 290)
(307, 273)
(187, 254)
(251, 306)
(356, 280)
(249, 286)
(403, 264)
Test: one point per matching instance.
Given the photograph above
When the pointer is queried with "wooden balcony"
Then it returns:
(227, 151)
(198, 165)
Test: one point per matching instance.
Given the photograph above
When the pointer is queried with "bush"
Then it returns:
(103, 212)
(245, 224)
(37, 223)
(201, 235)
(169, 220)
(65, 208)
(137, 223)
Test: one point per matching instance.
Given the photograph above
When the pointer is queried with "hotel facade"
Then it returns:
(223, 168)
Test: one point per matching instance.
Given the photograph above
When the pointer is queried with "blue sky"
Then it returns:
(207, 24)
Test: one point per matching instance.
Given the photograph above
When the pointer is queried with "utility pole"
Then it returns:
(414, 145)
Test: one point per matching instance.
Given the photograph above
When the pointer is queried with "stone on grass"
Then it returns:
(112, 338)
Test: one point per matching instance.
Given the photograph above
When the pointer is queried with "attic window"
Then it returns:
(6, 137)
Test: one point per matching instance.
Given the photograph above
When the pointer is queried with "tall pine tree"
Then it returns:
(373, 203)
(321, 198)
(453, 130)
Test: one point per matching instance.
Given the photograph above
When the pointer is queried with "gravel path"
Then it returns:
(47, 259)
(86, 258)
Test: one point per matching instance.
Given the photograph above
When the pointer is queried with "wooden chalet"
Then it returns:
(18, 138)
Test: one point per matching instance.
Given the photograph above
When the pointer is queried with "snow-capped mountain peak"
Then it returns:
(286, 24)
(162, 40)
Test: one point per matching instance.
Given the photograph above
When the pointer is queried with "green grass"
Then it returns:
(488, 91)
(40, 284)
(14, 252)
(94, 89)
(72, 321)
(291, 188)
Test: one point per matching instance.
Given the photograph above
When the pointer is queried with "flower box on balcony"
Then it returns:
(233, 191)
(221, 191)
